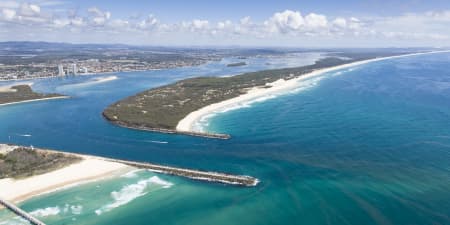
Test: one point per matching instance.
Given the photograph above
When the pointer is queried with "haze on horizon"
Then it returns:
(323, 23)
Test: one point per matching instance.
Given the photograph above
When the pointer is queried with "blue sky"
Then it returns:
(173, 10)
(300, 23)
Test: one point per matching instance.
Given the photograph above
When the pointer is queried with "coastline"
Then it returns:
(34, 100)
(89, 169)
(169, 131)
(105, 79)
(92, 168)
(187, 124)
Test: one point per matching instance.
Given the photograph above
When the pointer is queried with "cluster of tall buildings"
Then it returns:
(71, 70)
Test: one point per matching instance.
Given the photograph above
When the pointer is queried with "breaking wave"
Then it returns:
(131, 174)
(15, 221)
(157, 142)
(45, 212)
(132, 191)
(202, 124)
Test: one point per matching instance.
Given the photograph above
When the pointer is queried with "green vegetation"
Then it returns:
(23, 162)
(22, 93)
(164, 107)
(237, 64)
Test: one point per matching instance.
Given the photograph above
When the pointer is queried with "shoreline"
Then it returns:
(87, 170)
(35, 100)
(93, 168)
(168, 131)
(103, 73)
(105, 79)
(187, 124)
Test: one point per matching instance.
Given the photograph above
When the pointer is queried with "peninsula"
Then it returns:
(174, 108)
(23, 93)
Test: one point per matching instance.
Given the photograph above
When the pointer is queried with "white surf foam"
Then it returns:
(14, 221)
(202, 123)
(130, 192)
(76, 209)
(158, 142)
(131, 174)
(45, 212)
(163, 183)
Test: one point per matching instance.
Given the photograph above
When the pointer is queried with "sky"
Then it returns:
(288, 23)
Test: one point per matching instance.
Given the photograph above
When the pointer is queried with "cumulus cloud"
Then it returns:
(29, 9)
(200, 24)
(315, 21)
(9, 4)
(281, 25)
(8, 14)
(98, 17)
(224, 25)
(285, 22)
(149, 22)
(340, 22)
(119, 23)
(293, 22)
(77, 21)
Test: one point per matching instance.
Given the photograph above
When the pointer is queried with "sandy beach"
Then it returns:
(89, 169)
(104, 79)
(35, 100)
(188, 122)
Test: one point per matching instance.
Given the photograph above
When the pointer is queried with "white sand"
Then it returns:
(34, 100)
(5, 149)
(104, 79)
(188, 122)
(89, 169)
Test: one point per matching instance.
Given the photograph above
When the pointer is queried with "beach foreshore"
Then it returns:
(105, 79)
(93, 168)
(89, 169)
(187, 124)
(34, 100)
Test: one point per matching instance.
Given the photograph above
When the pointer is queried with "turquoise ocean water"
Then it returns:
(365, 145)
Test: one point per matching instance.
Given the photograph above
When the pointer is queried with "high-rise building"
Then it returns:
(74, 69)
(61, 70)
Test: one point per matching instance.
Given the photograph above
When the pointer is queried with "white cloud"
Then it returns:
(292, 22)
(200, 24)
(245, 21)
(285, 22)
(118, 23)
(61, 22)
(340, 22)
(27, 9)
(99, 17)
(77, 21)
(315, 21)
(288, 25)
(9, 4)
(8, 14)
(149, 23)
(224, 25)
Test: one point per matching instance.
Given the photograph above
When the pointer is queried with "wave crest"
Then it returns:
(130, 192)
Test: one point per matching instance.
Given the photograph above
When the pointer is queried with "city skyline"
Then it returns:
(325, 23)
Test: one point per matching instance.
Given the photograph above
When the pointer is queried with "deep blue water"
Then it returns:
(367, 145)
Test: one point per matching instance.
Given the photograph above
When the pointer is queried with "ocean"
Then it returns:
(363, 145)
